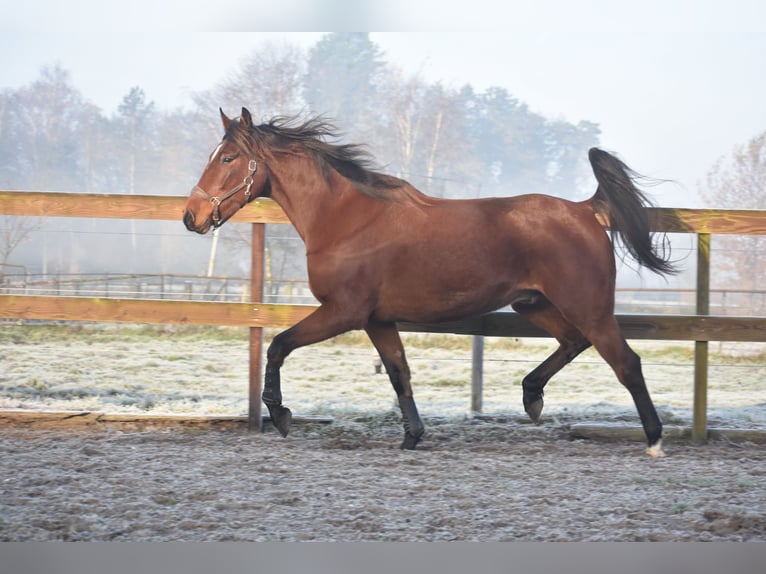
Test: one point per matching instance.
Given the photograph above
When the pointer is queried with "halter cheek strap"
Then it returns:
(246, 184)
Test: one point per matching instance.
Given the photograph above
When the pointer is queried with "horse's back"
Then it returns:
(531, 222)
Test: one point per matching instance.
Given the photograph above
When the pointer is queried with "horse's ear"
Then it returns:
(246, 120)
(226, 121)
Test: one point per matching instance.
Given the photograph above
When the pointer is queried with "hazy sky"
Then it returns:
(674, 84)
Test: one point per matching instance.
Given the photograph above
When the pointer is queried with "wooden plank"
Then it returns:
(622, 432)
(660, 327)
(714, 221)
(151, 311)
(53, 204)
(677, 434)
(57, 204)
(114, 206)
(71, 420)
(490, 325)
(499, 324)
(261, 211)
(264, 315)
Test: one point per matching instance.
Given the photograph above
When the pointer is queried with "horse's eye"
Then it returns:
(227, 159)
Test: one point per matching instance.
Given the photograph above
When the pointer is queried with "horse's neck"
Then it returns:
(320, 205)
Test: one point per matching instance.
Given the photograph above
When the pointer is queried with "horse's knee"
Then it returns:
(279, 348)
(275, 353)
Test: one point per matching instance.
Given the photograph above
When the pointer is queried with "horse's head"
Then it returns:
(232, 178)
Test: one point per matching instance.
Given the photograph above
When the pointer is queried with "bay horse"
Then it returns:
(380, 251)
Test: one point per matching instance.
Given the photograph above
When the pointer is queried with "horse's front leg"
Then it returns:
(323, 323)
(385, 337)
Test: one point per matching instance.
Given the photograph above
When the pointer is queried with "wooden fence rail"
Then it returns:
(255, 315)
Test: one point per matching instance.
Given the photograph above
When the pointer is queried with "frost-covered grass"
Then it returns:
(131, 368)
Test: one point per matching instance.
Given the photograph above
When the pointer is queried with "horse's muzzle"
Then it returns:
(189, 222)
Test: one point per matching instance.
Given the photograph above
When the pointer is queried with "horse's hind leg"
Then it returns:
(571, 343)
(612, 346)
(386, 339)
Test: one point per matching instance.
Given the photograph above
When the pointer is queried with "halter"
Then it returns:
(247, 183)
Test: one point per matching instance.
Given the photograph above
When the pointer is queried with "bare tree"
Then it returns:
(739, 182)
(14, 230)
(46, 119)
(424, 135)
(447, 154)
(268, 82)
(403, 98)
(135, 122)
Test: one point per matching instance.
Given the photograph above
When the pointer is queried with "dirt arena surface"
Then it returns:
(472, 479)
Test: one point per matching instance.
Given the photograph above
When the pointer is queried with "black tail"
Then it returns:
(618, 197)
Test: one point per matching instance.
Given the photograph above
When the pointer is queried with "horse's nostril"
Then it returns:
(189, 220)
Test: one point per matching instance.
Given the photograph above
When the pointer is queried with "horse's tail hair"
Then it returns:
(625, 205)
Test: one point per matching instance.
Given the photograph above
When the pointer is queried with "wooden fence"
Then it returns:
(256, 315)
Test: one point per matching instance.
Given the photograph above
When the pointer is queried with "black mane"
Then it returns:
(353, 161)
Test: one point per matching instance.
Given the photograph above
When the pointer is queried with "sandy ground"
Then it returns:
(493, 479)
(471, 480)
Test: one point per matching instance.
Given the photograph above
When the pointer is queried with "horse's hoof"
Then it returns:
(281, 417)
(655, 451)
(535, 410)
(410, 442)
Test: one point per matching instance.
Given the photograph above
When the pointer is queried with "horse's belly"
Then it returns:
(434, 305)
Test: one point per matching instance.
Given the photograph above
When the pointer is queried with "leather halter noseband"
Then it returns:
(246, 184)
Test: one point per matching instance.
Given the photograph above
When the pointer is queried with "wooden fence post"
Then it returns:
(254, 418)
(477, 373)
(699, 423)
